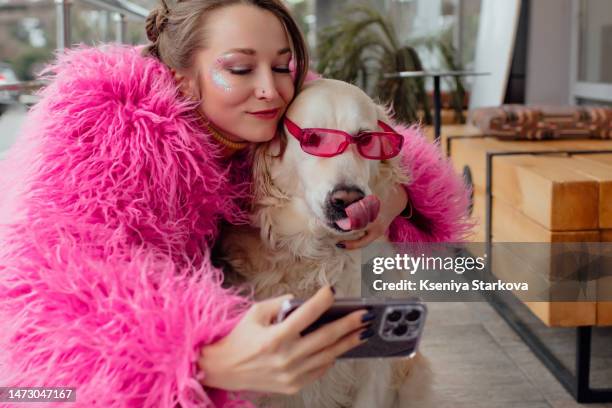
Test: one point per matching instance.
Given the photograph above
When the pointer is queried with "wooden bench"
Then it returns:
(534, 191)
(542, 198)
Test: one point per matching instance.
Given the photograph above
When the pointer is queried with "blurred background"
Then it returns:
(560, 51)
(28, 27)
(28, 30)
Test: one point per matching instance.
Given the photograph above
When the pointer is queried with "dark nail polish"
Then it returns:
(333, 289)
(367, 317)
(341, 245)
(366, 334)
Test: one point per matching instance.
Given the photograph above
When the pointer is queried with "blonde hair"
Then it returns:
(177, 32)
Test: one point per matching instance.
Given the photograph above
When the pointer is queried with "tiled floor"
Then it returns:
(478, 361)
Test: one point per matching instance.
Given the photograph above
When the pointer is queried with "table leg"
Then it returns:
(437, 107)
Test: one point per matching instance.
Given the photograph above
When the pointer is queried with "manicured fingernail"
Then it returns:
(367, 317)
(333, 290)
(366, 334)
(341, 245)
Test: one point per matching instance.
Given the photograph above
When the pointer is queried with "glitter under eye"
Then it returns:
(219, 79)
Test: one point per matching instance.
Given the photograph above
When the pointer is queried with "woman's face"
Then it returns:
(244, 77)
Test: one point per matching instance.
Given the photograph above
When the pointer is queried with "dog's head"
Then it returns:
(321, 188)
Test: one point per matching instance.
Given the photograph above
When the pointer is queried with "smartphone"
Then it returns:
(398, 324)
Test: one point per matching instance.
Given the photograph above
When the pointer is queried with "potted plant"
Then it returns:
(363, 45)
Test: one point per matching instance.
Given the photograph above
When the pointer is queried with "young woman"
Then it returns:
(112, 199)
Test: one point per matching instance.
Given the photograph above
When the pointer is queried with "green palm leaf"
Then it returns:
(363, 45)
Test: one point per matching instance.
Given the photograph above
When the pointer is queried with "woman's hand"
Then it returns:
(391, 207)
(265, 357)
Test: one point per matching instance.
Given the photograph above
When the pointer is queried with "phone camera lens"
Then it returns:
(413, 316)
(400, 330)
(394, 316)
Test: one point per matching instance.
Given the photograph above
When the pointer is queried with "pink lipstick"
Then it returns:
(266, 114)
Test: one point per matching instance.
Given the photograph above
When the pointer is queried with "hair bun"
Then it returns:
(156, 22)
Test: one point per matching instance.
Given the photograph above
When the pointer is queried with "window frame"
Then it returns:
(583, 90)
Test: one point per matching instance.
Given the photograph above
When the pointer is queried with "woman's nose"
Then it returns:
(266, 87)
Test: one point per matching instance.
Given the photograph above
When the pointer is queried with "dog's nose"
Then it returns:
(342, 198)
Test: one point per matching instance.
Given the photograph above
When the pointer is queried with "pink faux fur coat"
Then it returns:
(110, 201)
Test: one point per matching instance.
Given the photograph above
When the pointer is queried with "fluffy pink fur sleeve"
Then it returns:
(115, 195)
(437, 194)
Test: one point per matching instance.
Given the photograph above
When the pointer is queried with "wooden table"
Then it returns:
(436, 75)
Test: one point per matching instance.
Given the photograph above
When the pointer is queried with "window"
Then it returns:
(592, 51)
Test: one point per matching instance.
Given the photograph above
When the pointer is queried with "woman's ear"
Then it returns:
(186, 84)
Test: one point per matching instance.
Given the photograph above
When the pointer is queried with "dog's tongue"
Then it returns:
(360, 213)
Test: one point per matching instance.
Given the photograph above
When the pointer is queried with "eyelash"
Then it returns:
(248, 71)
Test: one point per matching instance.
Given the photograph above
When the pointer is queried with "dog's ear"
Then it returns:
(384, 113)
(264, 188)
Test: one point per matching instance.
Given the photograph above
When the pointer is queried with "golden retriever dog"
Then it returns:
(301, 210)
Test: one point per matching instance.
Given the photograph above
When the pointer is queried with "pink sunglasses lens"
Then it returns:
(380, 145)
(321, 143)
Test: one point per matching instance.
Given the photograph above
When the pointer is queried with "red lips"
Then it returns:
(269, 114)
(266, 112)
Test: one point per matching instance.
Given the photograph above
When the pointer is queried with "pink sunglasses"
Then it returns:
(331, 142)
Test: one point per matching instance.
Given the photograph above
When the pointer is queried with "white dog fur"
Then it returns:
(292, 247)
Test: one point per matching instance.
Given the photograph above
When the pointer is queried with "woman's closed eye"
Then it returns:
(282, 70)
(240, 70)
(247, 70)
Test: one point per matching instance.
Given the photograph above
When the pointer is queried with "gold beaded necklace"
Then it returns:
(230, 144)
